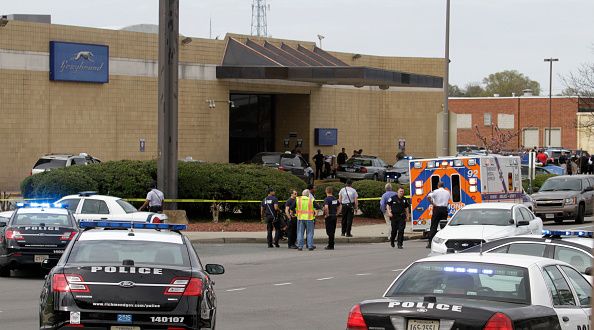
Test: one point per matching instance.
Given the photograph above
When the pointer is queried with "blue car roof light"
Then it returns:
(41, 205)
(132, 225)
(574, 233)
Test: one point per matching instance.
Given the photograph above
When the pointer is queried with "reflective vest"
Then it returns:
(305, 208)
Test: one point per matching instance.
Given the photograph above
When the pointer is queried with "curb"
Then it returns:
(317, 240)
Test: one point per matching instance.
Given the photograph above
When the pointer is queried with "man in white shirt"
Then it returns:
(440, 199)
(154, 200)
(348, 198)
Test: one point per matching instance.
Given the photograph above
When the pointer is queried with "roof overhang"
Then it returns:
(254, 61)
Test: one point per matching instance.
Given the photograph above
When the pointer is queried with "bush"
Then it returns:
(536, 183)
(131, 179)
(366, 189)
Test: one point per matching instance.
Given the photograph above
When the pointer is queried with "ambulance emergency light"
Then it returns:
(128, 224)
(559, 233)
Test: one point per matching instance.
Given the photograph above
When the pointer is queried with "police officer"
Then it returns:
(348, 198)
(331, 209)
(290, 212)
(398, 209)
(154, 200)
(268, 210)
(440, 199)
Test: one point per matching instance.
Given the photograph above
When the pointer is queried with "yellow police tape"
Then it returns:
(184, 200)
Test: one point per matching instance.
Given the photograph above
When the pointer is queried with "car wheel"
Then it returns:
(4, 271)
(579, 218)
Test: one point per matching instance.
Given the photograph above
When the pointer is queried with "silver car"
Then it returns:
(400, 172)
(565, 197)
(363, 168)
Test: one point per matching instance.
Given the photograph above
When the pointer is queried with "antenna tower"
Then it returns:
(259, 25)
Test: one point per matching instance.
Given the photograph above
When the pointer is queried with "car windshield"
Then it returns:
(358, 162)
(41, 219)
(495, 217)
(127, 207)
(468, 280)
(403, 163)
(47, 163)
(562, 184)
(271, 159)
(141, 252)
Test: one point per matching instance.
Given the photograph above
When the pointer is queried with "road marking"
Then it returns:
(238, 289)
(281, 284)
(398, 270)
(324, 278)
(363, 274)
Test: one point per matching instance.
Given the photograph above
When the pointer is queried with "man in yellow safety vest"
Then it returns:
(305, 220)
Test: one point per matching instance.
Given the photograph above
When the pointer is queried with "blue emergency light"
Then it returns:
(128, 224)
(43, 205)
(559, 233)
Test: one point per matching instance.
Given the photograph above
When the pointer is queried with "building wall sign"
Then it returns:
(326, 136)
(79, 62)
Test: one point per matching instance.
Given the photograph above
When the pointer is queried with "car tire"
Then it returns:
(4, 271)
(579, 218)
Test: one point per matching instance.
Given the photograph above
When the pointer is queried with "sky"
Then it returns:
(486, 36)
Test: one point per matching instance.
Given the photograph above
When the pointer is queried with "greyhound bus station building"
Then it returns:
(70, 89)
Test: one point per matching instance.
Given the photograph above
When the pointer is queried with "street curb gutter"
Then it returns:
(324, 240)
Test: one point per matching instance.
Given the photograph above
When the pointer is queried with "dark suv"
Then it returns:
(287, 162)
(565, 197)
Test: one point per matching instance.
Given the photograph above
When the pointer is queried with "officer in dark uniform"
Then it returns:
(268, 211)
(398, 208)
(331, 209)
(290, 212)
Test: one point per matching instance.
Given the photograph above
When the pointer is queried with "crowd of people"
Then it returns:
(573, 164)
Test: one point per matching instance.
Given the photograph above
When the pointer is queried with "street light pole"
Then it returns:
(550, 60)
(446, 116)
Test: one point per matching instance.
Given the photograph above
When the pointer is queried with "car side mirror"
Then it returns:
(48, 264)
(511, 221)
(588, 271)
(214, 269)
(523, 223)
(2, 224)
(588, 189)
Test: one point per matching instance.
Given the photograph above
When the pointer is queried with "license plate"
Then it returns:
(550, 216)
(389, 179)
(40, 258)
(124, 318)
(423, 325)
(350, 170)
(123, 327)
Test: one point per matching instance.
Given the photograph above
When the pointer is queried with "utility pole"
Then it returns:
(168, 89)
(259, 22)
(446, 115)
(550, 60)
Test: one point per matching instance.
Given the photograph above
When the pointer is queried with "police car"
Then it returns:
(478, 223)
(573, 247)
(33, 233)
(473, 291)
(113, 276)
(89, 206)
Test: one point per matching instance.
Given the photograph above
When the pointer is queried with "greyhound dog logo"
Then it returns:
(86, 55)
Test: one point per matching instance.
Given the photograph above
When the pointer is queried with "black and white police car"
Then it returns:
(473, 291)
(572, 247)
(33, 233)
(116, 277)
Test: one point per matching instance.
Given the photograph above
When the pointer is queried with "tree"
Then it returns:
(581, 84)
(508, 83)
(455, 91)
(474, 89)
(498, 139)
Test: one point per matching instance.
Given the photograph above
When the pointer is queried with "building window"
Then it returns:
(555, 137)
(464, 120)
(530, 137)
(487, 119)
(505, 121)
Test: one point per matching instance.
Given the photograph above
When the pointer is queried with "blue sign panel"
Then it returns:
(326, 136)
(79, 62)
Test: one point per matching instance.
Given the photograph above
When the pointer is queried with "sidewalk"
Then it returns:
(361, 234)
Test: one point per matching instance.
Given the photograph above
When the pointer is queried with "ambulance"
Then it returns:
(469, 179)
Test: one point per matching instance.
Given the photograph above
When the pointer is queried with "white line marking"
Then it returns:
(281, 284)
(324, 278)
(238, 289)
(363, 274)
(398, 270)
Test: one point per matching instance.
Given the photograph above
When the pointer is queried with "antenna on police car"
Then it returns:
(482, 239)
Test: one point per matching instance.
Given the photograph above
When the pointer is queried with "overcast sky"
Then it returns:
(486, 36)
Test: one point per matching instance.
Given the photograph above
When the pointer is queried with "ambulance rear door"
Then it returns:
(420, 187)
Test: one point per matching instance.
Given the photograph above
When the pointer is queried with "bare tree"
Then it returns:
(581, 84)
(498, 139)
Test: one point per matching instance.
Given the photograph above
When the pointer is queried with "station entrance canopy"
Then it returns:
(251, 60)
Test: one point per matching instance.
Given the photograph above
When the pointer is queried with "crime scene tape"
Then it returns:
(183, 200)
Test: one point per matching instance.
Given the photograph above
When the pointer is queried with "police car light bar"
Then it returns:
(128, 224)
(559, 233)
(43, 205)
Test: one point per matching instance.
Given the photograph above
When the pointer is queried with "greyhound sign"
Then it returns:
(79, 62)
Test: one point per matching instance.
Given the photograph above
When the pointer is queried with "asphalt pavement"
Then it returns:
(268, 288)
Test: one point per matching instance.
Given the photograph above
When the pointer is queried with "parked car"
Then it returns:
(283, 161)
(482, 222)
(363, 168)
(88, 206)
(400, 172)
(554, 154)
(565, 197)
(51, 161)
(549, 169)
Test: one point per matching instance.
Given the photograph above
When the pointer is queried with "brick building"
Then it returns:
(236, 97)
(527, 115)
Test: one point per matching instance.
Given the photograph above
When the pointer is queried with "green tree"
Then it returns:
(580, 83)
(474, 89)
(508, 83)
(455, 91)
